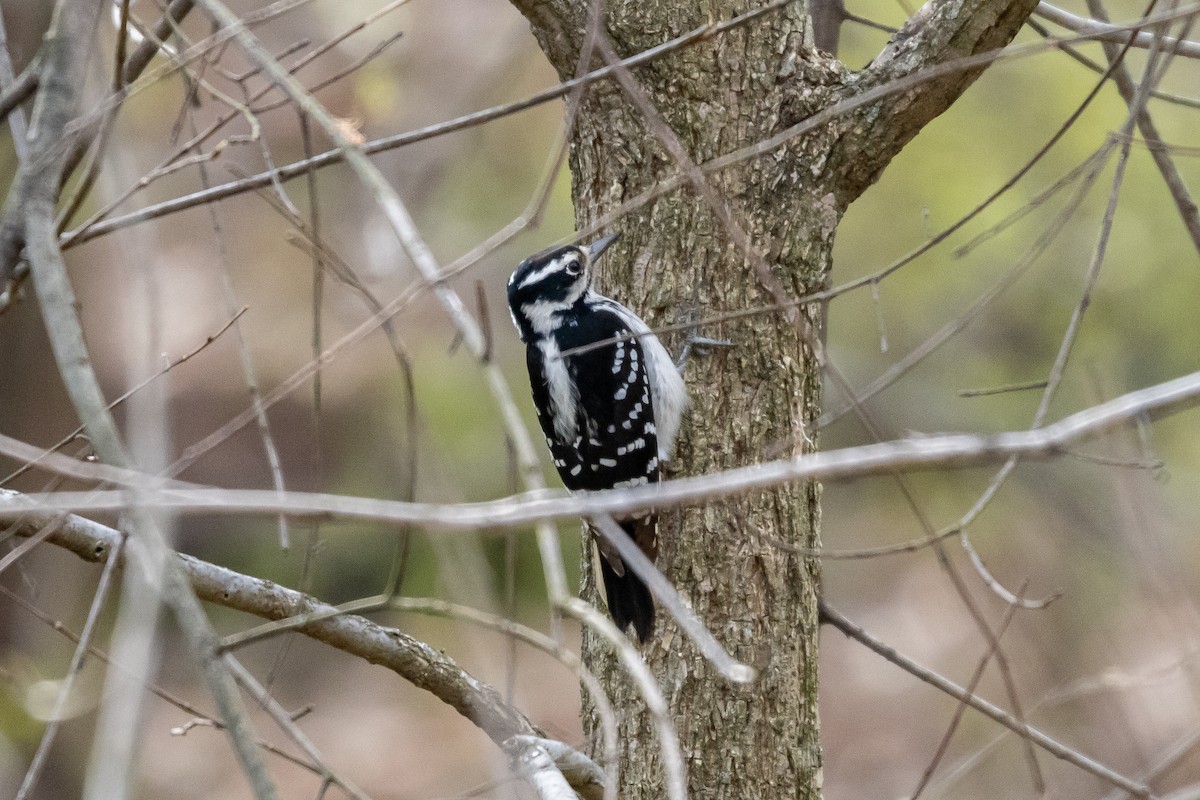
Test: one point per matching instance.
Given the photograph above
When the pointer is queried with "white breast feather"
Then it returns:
(564, 396)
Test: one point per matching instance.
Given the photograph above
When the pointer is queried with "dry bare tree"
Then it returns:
(726, 142)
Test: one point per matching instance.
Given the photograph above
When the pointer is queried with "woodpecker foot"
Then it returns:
(701, 346)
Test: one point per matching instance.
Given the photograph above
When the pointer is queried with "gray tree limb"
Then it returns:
(413, 660)
(941, 32)
(918, 452)
(1104, 31)
(831, 616)
(31, 209)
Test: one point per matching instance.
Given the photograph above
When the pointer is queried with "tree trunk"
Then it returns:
(677, 261)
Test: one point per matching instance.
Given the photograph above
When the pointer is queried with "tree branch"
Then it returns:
(928, 452)
(31, 212)
(941, 31)
(415, 661)
(1104, 31)
(1054, 747)
(287, 172)
(138, 60)
(536, 760)
(1128, 89)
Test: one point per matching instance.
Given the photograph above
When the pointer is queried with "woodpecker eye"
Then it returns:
(573, 266)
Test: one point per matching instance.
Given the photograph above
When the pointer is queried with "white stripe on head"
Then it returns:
(556, 265)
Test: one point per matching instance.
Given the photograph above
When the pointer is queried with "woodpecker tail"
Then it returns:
(629, 599)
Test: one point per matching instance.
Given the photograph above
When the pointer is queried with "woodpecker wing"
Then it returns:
(611, 439)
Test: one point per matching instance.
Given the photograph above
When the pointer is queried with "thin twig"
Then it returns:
(516, 632)
(165, 166)
(928, 452)
(38, 183)
(288, 725)
(1105, 32)
(944, 334)
(1070, 335)
(995, 390)
(1162, 158)
(1095, 67)
(31, 463)
(418, 251)
(91, 230)
(1027, 732)
(656, 706)
(99, 598)
(972, 685)
(668, 596)
(249, 371)
(199, 717)
(417, 662)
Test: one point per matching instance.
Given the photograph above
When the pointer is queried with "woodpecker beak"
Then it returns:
(597, 248)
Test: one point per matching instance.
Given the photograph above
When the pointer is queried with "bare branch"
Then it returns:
(336, 156)
(941, 32)
(1107, 32)
(34, 194)
(531, 758)
(670, 598)
(1145, 123)
(288, 725)
(99, 598)
(140, 58)
(673, 764)
(415, 661)
(579, 771)
(1028, 732)
(418, 251)
(929, 452)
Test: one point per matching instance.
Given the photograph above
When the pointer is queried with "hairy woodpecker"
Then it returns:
(610, 413)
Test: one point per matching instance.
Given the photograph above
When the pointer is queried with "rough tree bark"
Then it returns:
(677, 261)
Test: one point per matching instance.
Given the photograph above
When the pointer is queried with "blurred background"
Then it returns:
(1112, 667)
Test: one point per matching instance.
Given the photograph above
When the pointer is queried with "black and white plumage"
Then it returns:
(610, 414)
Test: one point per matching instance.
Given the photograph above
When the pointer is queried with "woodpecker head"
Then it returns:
(550, 282)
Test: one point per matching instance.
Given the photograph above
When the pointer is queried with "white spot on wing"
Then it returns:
(666, 384)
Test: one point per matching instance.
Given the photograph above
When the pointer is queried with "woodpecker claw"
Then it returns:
(702, 346)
